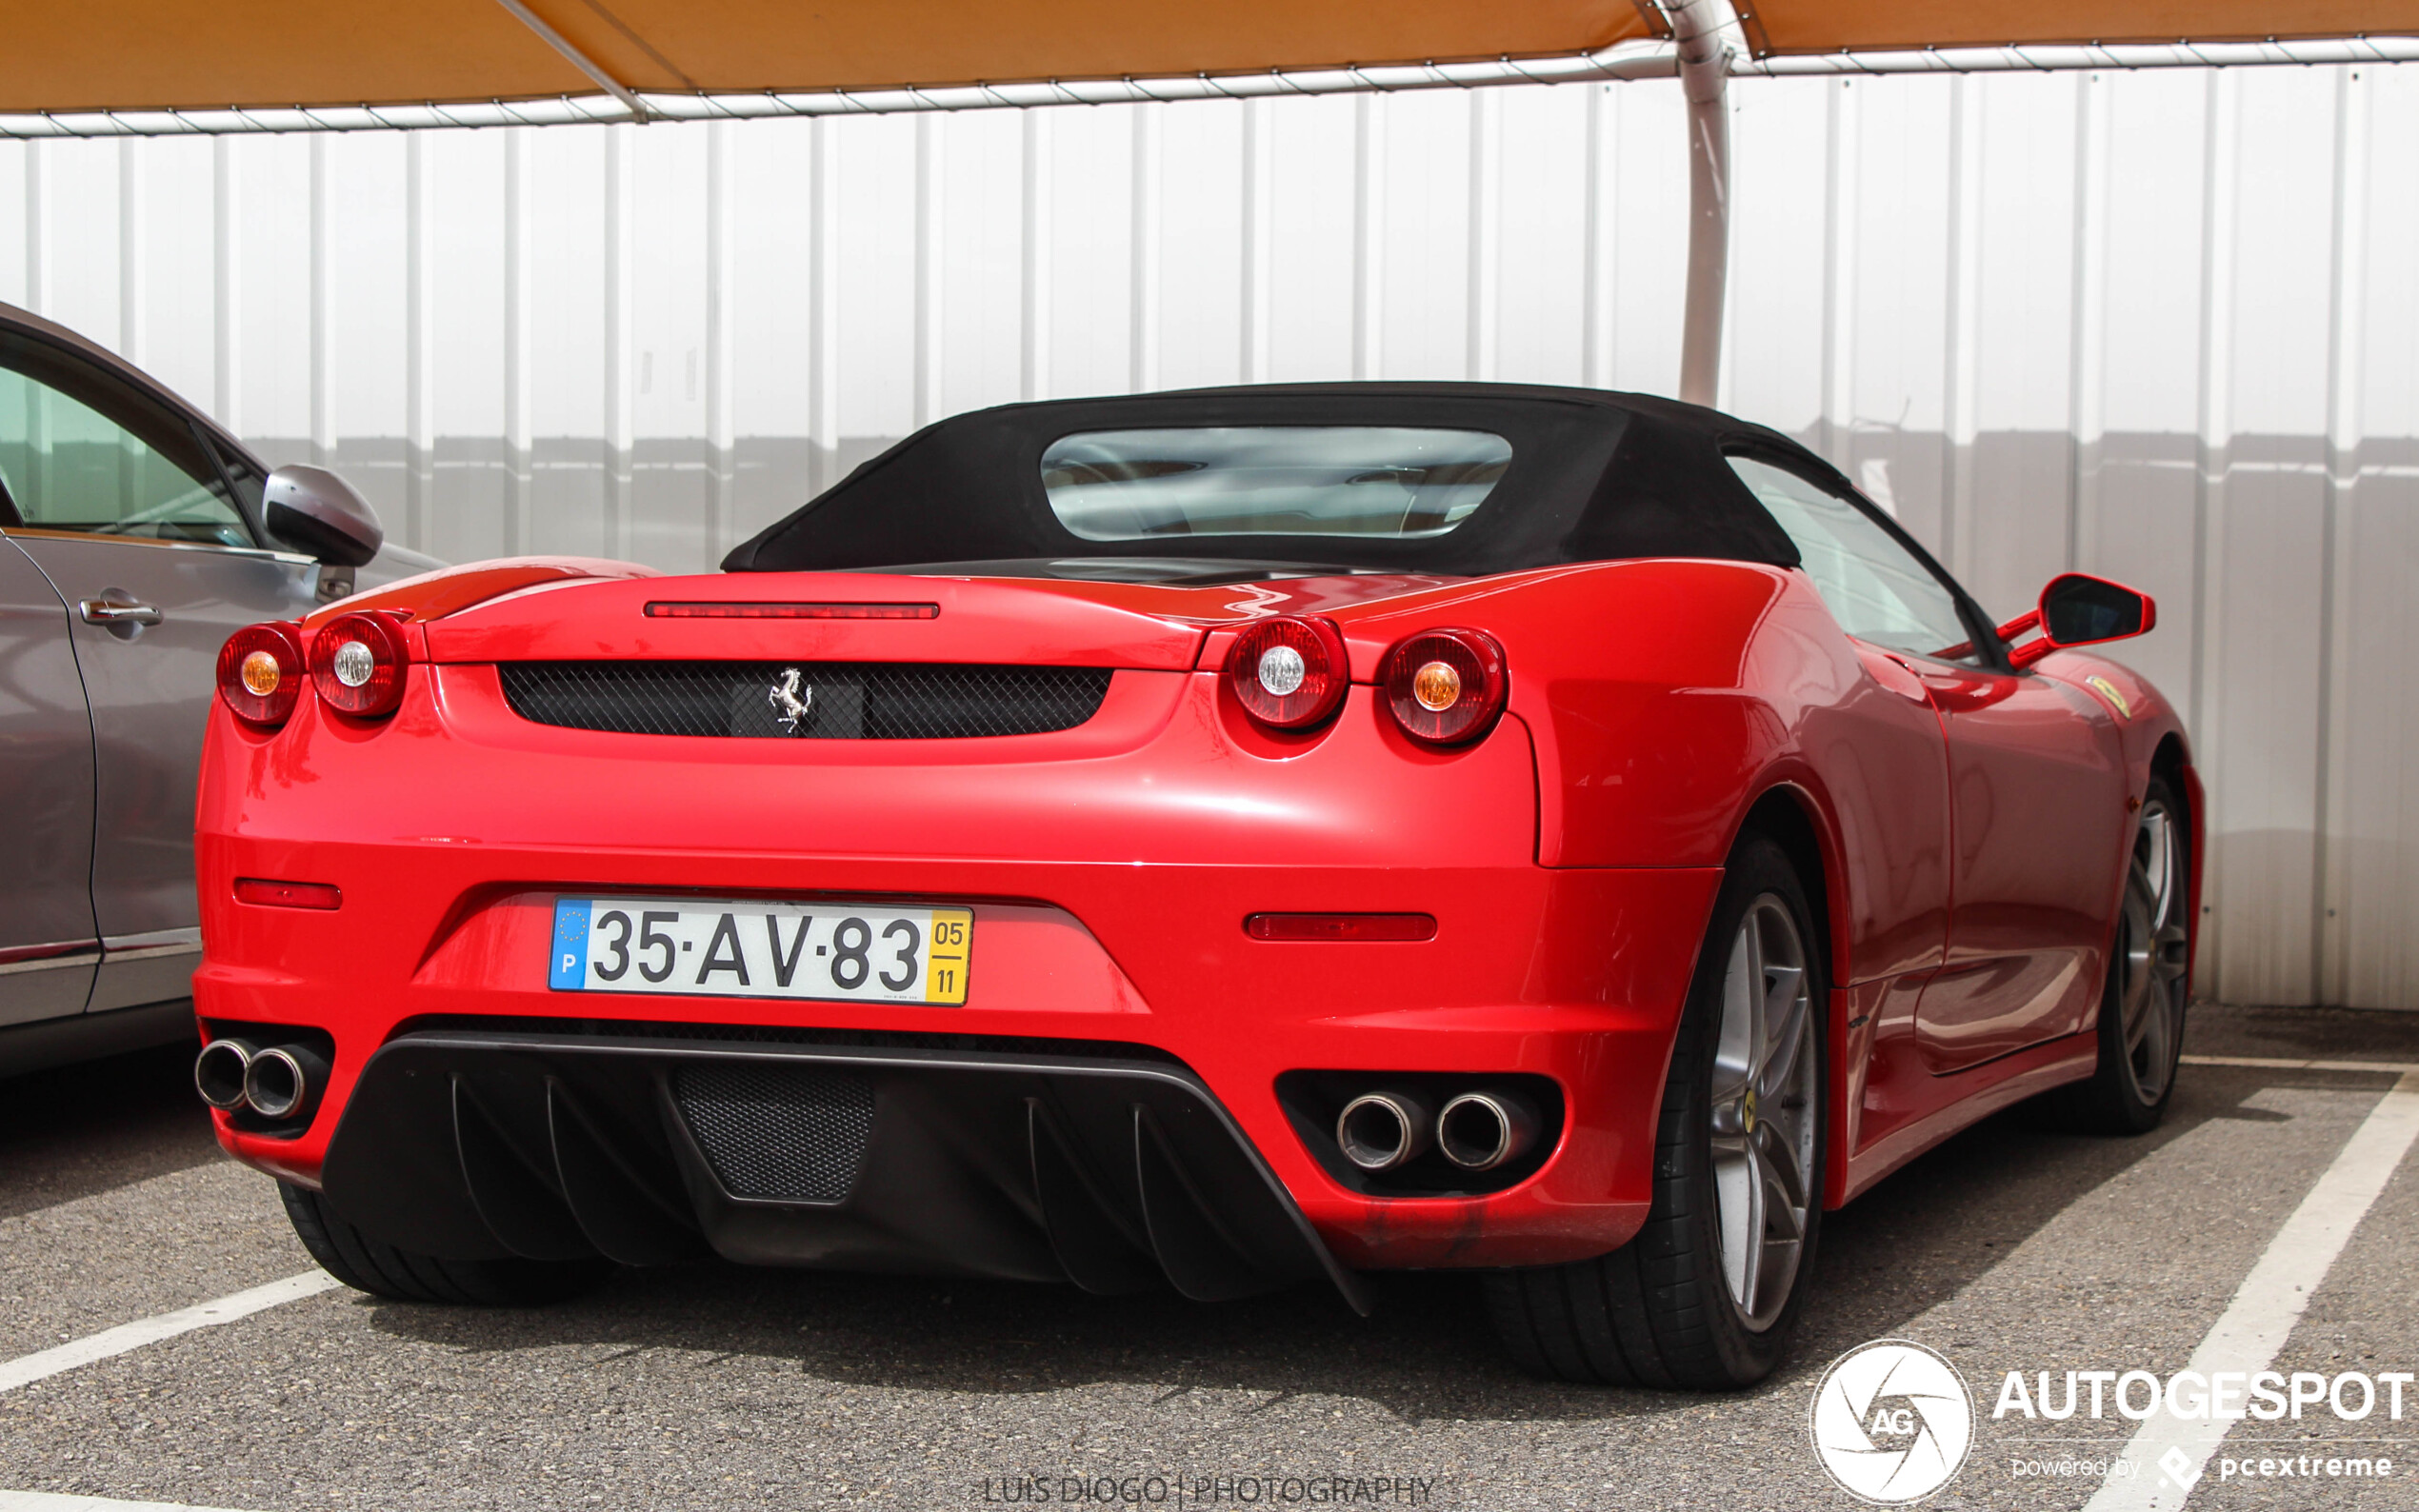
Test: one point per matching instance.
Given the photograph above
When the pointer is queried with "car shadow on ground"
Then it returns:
(1428, 1352)
(79, 1131)
(2357, 1034)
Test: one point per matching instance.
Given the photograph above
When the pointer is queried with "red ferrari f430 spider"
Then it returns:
(1211, 840)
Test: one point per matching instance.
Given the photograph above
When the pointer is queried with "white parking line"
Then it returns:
(117, 1341)
(45, 1501)
(2167, 1454)
(2264, 1063)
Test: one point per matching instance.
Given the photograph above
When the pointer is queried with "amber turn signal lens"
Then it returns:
(357, 663)
(260, 673)
(1437, 687)
(1288, 673)
(1445, 687)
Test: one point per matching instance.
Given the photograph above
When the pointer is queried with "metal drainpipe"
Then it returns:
(1705, 70)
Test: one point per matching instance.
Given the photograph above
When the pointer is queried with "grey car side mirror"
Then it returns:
(318, 513)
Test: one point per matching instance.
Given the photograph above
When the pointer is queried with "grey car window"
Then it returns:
(1877, 590)
(1397, 482)
(80, 449)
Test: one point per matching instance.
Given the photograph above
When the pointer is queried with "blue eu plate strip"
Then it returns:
(570, 965)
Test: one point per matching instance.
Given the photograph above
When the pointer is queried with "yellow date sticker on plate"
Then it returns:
(950, 945)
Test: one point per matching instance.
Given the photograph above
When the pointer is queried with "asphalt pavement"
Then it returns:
(2006, 1250)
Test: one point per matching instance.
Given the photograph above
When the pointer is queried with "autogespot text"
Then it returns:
(2219, 1394)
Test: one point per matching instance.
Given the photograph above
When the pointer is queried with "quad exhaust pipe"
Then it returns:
(219, 1071)
(280, 1082)
(1478, 1131)
(1481, 1130)
(1379, 1131)
(277, 1083)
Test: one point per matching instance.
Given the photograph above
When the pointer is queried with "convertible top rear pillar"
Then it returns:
(1705, 70)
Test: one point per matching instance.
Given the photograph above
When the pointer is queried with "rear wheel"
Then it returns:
(1707, 1294)
(2143, 1003)
(382, 1270)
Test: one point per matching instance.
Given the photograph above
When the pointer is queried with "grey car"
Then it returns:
(139, 535)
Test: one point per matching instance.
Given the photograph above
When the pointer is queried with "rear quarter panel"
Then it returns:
(2145, 722)
(1665, 697)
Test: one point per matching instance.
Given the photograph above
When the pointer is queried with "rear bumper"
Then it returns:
(1109, 879)
(1576, 977)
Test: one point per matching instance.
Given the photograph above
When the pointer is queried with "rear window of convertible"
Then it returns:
(1389, 481)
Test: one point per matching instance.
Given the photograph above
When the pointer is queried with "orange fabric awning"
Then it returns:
(133, 56)
(1877, 25)
(201, 54)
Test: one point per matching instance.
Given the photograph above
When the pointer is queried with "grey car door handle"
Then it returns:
(117, 611)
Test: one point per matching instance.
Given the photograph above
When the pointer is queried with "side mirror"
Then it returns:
(2078, 610)
(316, 511)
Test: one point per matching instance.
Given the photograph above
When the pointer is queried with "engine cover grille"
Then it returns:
(795, 1134)
(805, 700)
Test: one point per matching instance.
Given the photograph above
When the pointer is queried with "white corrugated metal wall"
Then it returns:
(2163, 326)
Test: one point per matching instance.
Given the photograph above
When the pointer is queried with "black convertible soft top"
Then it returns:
(1594, 476)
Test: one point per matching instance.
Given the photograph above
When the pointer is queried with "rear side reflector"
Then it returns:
(793, 611)
(286, 894)
(1341, 926)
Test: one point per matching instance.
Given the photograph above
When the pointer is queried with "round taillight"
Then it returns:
(1288, 673)
(357, 663)
(260, 672)
(1445, 687)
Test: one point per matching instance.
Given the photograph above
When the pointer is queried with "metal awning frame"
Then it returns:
(1655, 59)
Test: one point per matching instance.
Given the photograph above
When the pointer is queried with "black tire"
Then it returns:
(399, 1275)
(1661, 1310)
(2144, 1000)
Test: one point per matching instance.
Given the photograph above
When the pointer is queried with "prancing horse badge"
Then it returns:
(790, 701)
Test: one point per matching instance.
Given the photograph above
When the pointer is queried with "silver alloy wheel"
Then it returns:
(2153, 945)
(1764, 1105)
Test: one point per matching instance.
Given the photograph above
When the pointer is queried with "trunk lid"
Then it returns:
(891, 618)
(810, 616)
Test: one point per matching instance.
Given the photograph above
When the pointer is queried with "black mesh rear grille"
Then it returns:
(795, 1134)
(829, 699)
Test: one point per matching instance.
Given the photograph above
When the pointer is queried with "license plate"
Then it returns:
(850, 953)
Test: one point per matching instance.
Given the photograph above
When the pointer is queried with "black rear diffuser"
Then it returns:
(1113, 1174)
